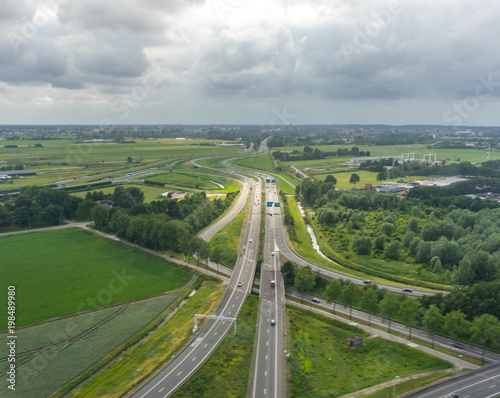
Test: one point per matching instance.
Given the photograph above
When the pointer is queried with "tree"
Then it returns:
(204, 251)
(393, 251)
(129, 159)
(349, 295)
(331, 178)
(485, 330)
(379, 243)
(84, 209)
(369, 302)
(456, 325)
(412, 225)
(99, 216)
(432, 321)
(216, 255)
(304, 280)
(387, 228)
(354, 179)
(333, 291)
(362, 244)
(409, 312)
(389, 307)
(288, 271)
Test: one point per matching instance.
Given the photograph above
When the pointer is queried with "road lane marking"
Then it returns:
(161, 389)
(193, 359)
(178, 374)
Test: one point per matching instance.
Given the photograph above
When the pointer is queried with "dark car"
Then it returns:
(367, 282)
(315, 300)
(407, 290)
(458, 345)
(452, 396)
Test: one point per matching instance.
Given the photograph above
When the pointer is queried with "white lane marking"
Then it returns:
(265, 373)
(267, 342)
(266, 356)
(215, 334)
(178, 374)
(193, 359)
(161, 389)
(265, 391)
(494, 385)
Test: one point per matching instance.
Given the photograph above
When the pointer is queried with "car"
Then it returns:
(452, 396)
(367, 282)
(250, 240)
(239, 284)
(407, 290)
(315, 300)
(458, 345)
(273, 322)
(272, 254)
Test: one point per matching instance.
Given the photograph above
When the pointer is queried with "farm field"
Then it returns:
(321, 363)
(70, 159)
(233, 357)
(465, 155)
(57, 273)
(121, 375)
(54, 353)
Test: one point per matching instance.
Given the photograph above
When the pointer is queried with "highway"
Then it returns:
(207, 339)
(481, 383)
(269, 363)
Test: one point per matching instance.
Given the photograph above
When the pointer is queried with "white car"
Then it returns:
(250, 240)
(272, 253)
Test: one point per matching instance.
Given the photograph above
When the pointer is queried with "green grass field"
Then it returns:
(321, 363)
(227, 239)
(469, 155)
(226, 372)
(80, 342)
(60, 272)
(65, 159)
(150, 193)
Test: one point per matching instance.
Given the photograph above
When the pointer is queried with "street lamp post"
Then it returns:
(135, 379)
(394, 386)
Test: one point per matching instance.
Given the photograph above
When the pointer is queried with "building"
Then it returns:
(355, 341)
(107, 204)
(18, 173)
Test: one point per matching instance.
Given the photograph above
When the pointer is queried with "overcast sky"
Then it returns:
(250, 62)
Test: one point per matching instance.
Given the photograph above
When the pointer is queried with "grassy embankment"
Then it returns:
(226, 373)
(321, 363)
(152, 352)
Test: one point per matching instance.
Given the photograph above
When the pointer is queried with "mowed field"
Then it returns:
(58, 273)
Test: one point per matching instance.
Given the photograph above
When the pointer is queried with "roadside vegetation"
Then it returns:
(322, 364)
(224, 244)
(225, 374)
(153, 351)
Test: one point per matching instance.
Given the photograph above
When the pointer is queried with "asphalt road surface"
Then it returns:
(482, 383)
(208, 338)
(268, 372)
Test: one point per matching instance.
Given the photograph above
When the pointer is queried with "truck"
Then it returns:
(273, 181)
(268, 180)
(269, 204)
(277, 204)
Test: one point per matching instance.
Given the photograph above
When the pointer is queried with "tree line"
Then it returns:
(437, 314)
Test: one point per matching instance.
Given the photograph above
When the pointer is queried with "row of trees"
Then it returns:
(431, 314)
(38, 207)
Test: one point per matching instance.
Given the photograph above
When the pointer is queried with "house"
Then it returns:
(107, 204)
